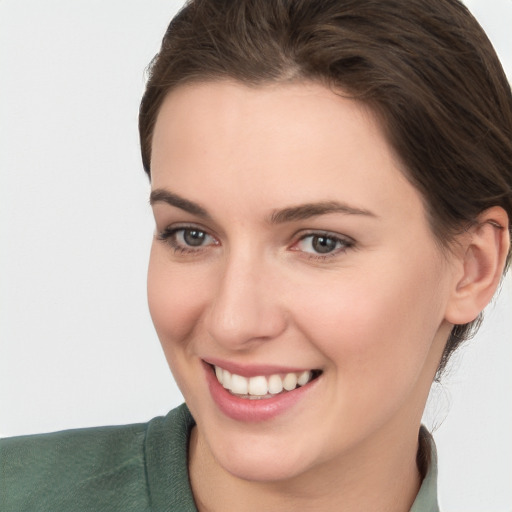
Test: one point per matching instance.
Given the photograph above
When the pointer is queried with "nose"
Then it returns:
(246, 308)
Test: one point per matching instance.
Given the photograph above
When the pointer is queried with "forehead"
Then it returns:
(286, 143)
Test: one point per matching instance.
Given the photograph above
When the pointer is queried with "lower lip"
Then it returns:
(246, 410)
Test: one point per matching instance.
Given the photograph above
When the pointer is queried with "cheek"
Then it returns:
(369, 325)
(175, 299)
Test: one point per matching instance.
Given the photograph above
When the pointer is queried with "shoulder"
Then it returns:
(103, 468)
(58, 471)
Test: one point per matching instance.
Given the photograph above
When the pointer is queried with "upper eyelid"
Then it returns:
(328, 234)
(174, 227)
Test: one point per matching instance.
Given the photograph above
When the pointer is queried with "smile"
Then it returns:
(261, 386)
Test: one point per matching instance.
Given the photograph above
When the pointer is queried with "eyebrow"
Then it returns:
(306, 211)
(289, 214)
(164, 196)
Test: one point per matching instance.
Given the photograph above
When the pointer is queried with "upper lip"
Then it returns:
(253, 370)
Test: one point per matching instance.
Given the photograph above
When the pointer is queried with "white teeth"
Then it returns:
(304, 378)
(226, 379)
(275, 384)
(258, 386)
(290, 381)
(239, 385)
(261, 386)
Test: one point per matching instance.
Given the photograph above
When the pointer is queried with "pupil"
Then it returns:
(323, 244)
(193, 237)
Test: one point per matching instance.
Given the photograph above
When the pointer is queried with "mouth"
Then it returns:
(258, 393)
(260, 387)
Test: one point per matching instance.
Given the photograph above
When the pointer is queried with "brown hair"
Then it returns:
(426, 67)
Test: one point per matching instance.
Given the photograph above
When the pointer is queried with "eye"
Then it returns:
(186, 239)
(192, 237)
(322, 244)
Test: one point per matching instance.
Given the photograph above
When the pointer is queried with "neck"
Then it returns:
(381, 475)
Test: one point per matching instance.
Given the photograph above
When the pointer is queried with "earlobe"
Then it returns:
(484, 252)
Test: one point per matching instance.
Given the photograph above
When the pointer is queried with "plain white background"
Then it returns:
(77, 345)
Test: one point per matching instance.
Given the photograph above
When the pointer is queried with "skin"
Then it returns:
(373, 315)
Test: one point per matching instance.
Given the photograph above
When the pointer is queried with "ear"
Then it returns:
(482, 259)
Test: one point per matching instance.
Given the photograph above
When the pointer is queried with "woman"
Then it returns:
(331, 186)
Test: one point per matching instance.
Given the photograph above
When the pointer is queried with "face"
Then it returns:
(290, 247)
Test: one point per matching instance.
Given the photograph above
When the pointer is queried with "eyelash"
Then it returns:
(169, 234)
(345, 242)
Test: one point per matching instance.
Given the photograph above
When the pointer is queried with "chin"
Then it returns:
(260, 459)
(260, 469)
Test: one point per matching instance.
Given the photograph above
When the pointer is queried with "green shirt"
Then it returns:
(141, 467)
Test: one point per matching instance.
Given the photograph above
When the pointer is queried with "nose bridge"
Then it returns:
(245, 306)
